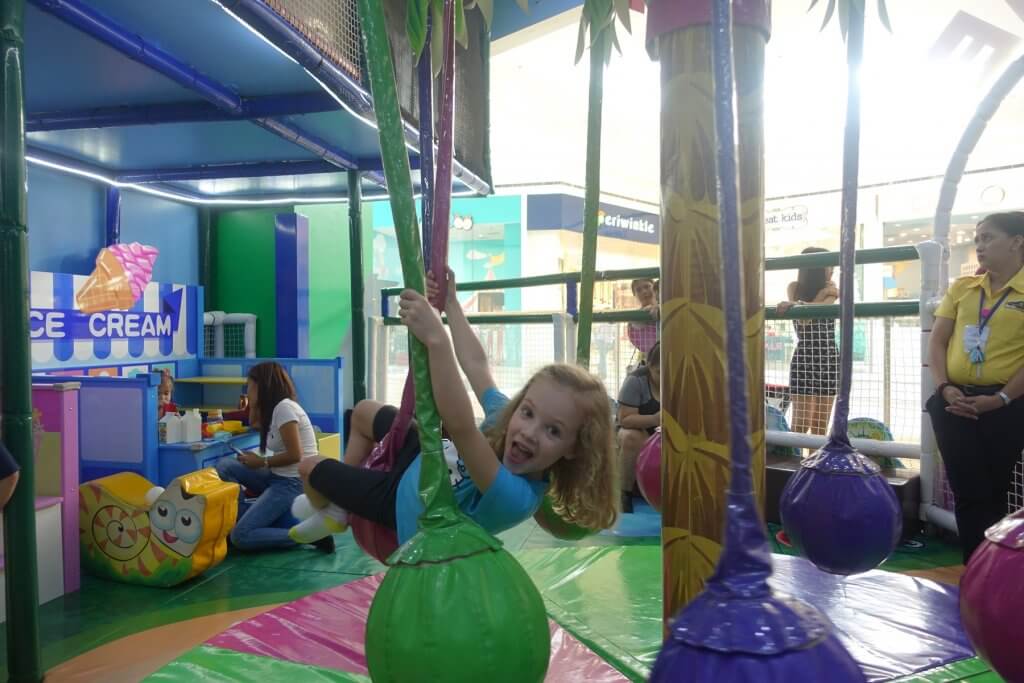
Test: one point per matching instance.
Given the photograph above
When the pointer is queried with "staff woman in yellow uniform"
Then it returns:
(976, 357)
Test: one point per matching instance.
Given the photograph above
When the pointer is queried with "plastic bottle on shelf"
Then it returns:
(193, 423)
(170, 428)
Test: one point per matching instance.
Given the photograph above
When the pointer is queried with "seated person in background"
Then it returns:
(286, 439)
(8, 475)
(645, 334)
(241, 413)
(165, 395)
(639, 416)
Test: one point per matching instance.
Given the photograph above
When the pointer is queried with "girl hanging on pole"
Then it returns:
(555, 437)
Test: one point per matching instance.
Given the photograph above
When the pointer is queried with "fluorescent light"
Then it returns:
(209, 201)
(255, 32)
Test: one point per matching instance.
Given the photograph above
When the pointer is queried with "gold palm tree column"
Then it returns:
(695, 441)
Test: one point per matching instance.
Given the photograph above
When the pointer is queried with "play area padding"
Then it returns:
(604, 591)
(605, 605)
(326, 630)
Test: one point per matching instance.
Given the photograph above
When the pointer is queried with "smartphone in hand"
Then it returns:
(234, 448)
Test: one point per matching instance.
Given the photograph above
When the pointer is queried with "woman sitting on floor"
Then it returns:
(286, 438)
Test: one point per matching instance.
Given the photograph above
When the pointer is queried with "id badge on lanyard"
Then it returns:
(976, 336)
(975, 341)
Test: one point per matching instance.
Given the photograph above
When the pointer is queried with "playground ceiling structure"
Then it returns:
(207, 102)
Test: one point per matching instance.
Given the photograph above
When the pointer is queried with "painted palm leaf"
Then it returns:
(416, 22)
(598, 20)
(842, 9)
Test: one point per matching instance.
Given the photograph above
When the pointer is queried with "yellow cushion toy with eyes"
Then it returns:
(133, 532)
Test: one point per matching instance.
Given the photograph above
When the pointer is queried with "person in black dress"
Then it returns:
(814, 369)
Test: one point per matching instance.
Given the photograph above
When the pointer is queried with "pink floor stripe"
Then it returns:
(326, 629)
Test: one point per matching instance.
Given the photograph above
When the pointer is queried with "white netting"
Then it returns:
(515, 353)
(802, 374)
(330, 25)
(885, 399)
(613, 354)
(1015, 499)
(234, 340)
(229, 335)
(209, 344)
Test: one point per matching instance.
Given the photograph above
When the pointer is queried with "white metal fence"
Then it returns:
(890, 382)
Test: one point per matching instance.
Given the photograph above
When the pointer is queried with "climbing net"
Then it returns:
(330, 25)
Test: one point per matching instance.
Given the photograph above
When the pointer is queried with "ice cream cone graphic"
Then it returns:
(121, 275)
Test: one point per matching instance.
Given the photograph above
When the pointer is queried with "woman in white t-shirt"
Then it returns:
(286, 437)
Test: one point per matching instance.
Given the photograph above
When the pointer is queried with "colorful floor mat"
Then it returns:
(610, 597)
(325, 631)
(604, 592)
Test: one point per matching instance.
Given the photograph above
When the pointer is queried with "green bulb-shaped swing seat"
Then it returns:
(455, 606)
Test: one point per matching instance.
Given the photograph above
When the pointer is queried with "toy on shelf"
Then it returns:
(134, 532)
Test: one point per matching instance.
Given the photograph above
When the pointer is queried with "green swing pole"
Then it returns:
(23, 659)
(435, 489)
(590, 202)
(355, 246)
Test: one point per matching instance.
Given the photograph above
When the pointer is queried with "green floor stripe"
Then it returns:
(215, 665)
(920, 552)
(608, 597)
(973, 670)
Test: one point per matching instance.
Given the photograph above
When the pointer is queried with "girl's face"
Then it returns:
(644, 292)
(996, 248)
(543, 429)
(829, 272)
(164, 395)
(655, 375)
(253, 395)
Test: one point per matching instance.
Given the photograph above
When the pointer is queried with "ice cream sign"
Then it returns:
(48, 324)
(122, 273)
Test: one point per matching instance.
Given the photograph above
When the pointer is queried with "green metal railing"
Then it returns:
(826, 259)
(497, 318)
(869, 309)
(543, 280)
(816, 260)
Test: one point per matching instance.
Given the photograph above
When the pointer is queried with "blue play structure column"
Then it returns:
(291, 247)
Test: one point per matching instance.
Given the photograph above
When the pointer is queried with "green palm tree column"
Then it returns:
(695, 437)
(599, 17)
(23, 661)
(454, 606)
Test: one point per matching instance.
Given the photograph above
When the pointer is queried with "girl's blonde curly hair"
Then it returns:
(584, 489)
